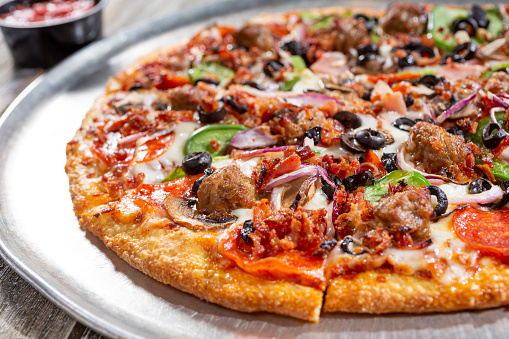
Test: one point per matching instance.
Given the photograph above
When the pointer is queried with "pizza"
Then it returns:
(325, 160)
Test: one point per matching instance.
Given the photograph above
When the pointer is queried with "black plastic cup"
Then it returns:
(40, 44)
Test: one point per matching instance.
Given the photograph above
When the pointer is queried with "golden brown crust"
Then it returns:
(188, 261)
(375, 292)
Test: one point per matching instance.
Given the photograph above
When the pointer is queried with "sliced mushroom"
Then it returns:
(298, 192)
(182, 213)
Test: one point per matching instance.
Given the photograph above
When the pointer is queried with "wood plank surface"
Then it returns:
(24, 312)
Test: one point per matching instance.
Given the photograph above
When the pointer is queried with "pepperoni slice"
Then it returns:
(487, 231)
(154, 148)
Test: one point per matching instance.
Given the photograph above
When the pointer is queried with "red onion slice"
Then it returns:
(331, 231)
(252, 138)
(485, 197)
(428, 112)
(498, 100)
(456, 107)
(316, 100)
(304, 170)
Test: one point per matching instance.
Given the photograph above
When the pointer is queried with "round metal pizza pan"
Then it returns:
(41, 239)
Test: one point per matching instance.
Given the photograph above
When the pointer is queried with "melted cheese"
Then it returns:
(308, 80)
(156, 170)
(242, 215)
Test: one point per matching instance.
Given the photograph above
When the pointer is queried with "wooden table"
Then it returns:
(24, 312)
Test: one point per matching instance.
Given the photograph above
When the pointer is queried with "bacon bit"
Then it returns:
(342, 167)
(501, 147)
(378, 240)
(467, 125)
(403, 87)
(304, 153)
(215, 145)
(275, 167)
(372, 162)
(353, 211)
(282, 245)
(392, 78)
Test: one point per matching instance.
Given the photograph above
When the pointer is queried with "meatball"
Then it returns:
(255, 35)
(349, 33)
(403, 17)
(405, 212)
(224, 191)
(188, 98)
(434, 150)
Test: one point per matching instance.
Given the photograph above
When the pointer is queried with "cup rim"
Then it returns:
(56, 22)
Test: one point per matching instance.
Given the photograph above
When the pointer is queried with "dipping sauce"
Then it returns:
(46, 11)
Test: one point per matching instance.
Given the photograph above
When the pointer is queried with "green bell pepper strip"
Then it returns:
(177, 173)
(212, 68)
(199, 141)
(500, 170)
(489, 72)
(441, 18)
(477, 137)
(298, 63)
(381, 187)
(288, 85)
(323, 24)
(439, 23)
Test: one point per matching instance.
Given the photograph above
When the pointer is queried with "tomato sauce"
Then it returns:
(47, 11)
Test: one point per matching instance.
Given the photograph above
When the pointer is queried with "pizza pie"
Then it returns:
(326, 160)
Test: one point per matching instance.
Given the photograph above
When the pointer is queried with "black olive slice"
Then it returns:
(357, 180)
(271, 66)
(442, 201)
(363, 58)
(325, 247)
(428, 80)
(367, 49)
(348, 119)
(246, 230)
(328, 189)
(455, 130)
(367, 94)
(409, 100)
(465, 51)
(207, 81)
(314, 133)
(211, 117)
(389, 161)
(348, 245)
(491, 141)
(426, 51)
(400, 123)
(407, 61)
(239, 108)
(348, 142)
(467, 24)
(412, 45)
(479, 15)
(252, 84)
(479, 185)
(370, 139)
(196, 163)
(293, 47)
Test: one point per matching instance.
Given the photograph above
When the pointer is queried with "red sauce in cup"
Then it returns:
(46, 11)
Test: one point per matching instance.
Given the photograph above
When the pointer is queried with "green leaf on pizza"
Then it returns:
(381, 187)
